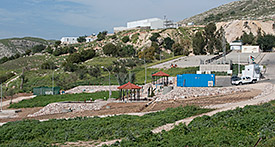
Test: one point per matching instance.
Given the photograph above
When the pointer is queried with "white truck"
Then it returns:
(251, 74)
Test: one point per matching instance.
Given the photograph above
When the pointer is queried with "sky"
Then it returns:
(53, 19)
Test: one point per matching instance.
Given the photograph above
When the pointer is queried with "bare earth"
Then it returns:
(261, 92)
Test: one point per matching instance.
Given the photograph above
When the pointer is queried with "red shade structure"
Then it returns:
(129, 90)
(161, 74)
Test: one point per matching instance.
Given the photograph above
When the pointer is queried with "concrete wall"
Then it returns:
(250, 49)
(223, 81)
(215, 67)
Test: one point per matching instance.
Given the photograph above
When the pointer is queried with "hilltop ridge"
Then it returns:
(237, 10)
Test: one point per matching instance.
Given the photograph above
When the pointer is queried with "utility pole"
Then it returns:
(145, 71)
(53, 81)
(110, 92)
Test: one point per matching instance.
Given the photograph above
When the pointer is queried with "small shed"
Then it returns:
(196, 80)
(46, 90)
(162, 77)
(129, 91)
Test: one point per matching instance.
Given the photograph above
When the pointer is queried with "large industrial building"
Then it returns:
(152, 23)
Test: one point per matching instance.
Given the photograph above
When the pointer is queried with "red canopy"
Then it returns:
(129, 86)
(160, 74)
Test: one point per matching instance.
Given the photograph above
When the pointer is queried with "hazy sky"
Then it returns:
(52, 19)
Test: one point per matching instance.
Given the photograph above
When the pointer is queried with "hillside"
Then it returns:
(140, 38)
(234, 29)
(243, 9)
(11, 46)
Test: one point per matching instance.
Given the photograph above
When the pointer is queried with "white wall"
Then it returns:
(250, 49)
(236, 46)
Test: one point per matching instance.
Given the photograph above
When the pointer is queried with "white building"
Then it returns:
(236, 45)
(91, 38)
(69, 40)
(250, 49)
(152, 23)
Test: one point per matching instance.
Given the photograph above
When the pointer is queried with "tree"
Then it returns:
(81, 39)
(266, 42)
(110, 49)
(126, 51)
(154, 37)
(247, 38)
(70, 67)
(81, 72)
(199, 44)
(168, 43)
(147, 53)
(125, 39)
(4, 59)
(74, 58)
(210, 37)
(94, 72)
(10, 93)
(57, 43)
(101, 35)
(28, 52)
(70, 49)
(87, 54)
(38, 48)
(179, 49)
(49, 50)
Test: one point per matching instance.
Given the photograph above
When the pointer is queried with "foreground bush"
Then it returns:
(239, 127)
(60, 131)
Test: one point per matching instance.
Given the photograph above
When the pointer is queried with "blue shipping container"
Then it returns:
(196, 80)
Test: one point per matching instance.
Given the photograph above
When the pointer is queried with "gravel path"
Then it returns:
(6, 103)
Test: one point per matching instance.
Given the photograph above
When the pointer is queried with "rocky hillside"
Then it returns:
(140, 38)
(235, 28)
(9, 47)
(238, 10)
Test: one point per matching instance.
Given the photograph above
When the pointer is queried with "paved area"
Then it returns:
(244, 57)
(190, 61)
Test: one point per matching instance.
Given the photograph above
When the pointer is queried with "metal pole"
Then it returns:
(53, 82)
(145, 72)
(1, 97)
(239, 68)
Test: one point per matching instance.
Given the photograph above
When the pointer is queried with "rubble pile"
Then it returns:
(63, 107)
(188, 92)
(91, 89)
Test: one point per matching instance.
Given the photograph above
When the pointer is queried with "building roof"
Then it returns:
(129, 86)
(160, 74)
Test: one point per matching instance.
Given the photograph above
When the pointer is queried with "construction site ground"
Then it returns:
(139, 107)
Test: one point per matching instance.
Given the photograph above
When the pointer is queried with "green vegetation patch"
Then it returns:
(41, 101)
(239, 127)
(73, 130)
